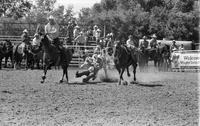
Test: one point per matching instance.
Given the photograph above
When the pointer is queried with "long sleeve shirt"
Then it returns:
(52, 30)
(130, 43)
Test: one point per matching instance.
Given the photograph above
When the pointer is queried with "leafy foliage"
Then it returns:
(172, 19)
(15, 8)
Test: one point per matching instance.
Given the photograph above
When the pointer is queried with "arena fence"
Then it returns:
(77, 57)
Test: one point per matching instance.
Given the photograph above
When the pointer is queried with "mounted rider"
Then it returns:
(173, 47)
(52, 32)
(153, 41)
(144, 43)
(93, 64)
(25, 41)
(131, 45)
(36, 41)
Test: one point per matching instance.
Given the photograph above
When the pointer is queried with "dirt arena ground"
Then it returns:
(158, 99)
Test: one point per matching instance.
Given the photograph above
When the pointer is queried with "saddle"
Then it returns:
(127, 49)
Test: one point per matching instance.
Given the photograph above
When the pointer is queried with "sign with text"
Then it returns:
(188, 59)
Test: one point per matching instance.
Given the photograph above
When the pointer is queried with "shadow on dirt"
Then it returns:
(147, 84)
(7, 92)
(82, 83)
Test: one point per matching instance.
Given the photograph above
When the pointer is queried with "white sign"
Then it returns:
(186, 59)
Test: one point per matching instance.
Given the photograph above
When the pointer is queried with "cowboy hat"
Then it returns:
(25, 31)
(154, 36)
(144, 37)
(51, 17)
(77, 27)
(130, 36)
(173, 41)
(95, 26)
(98, 30)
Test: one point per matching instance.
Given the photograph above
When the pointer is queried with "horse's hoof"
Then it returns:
(129, 75)
(61, 81)
(43, 77)
(42, 82)
(125, 83)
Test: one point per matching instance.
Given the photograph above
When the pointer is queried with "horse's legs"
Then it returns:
(155, 63)
(0, 63)
(26, 62)
(121, 76)
(38, 64)
(44, 73)
(134, 71)
(6, 61)
(128, 73)
(11, 59)
(66, 74)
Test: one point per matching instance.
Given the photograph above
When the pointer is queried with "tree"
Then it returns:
(41, 10)
(84, 17)
(15, 9)
(172, 19)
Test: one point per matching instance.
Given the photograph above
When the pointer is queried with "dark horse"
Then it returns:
(154, 55)
(18, 56)
(123, 58)
(37, 54)
(7, 52)
(52, 56)
(164, 54)
(143, 58)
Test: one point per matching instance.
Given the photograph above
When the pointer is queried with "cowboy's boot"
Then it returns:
(82, 73)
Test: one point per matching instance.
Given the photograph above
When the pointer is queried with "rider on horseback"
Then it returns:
(52, 32)
(36, 41)
(25, 40)
(153, 41)
(173, 47)
(131, 45)
(144, 44)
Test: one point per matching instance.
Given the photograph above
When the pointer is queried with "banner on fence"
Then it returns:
(188, 59)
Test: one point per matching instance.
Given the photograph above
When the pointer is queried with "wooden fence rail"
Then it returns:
(76, 61)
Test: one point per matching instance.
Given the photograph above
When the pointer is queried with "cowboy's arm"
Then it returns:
(86, 62)
(83, 65)
(77, 39)
(46, 30)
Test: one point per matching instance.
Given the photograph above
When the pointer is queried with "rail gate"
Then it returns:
(76, 60)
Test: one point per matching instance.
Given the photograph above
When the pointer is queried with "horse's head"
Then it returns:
(45, 40)
(7, 46)
(117, 49)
